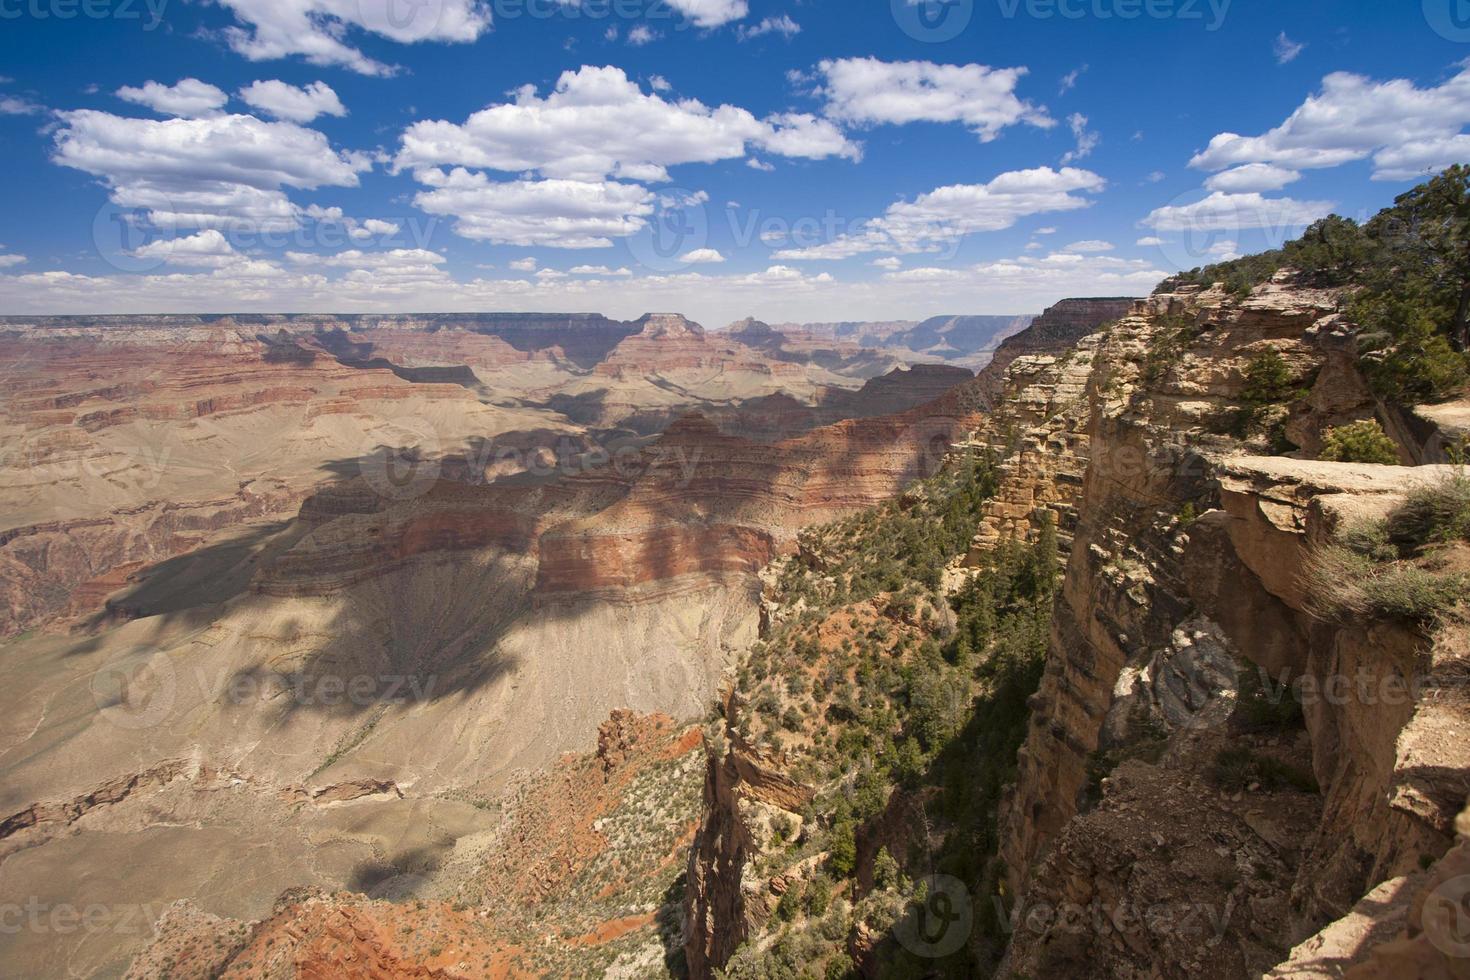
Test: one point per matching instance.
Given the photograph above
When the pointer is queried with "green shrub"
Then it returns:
(789, 904)
(1360, 442)
(842, 850)
(1342, 582)
(1258, 709)
(1407, 591)
(1403, 356)
(885, 869)
(818, 898)
(1268, 380)
(1434, 513)
(1369, 539)
(1269, 383)
(1171, 338)
(840, 967)
(1237, 768)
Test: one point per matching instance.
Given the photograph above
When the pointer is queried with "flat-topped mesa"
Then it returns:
(1067, 316)
(583, 338)
(750, 329)
(665, 342)
(667, 326)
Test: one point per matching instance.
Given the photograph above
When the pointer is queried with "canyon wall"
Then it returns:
(1058, 329)
(1183, 642)
(1185, 574)
(1036, 433)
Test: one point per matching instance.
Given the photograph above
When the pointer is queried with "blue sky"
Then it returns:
(789, 159)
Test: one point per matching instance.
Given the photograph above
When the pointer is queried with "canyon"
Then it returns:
(1184, 552)
(322, 594)
(464, 636)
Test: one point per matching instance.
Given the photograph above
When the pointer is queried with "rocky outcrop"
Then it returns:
(1410, 927)
(707, 502)
(1176, 528)
(40, 822)
(1038, 420)
(1040, 433)
(353, 548)
(64, 570)
(130, 444)
(664, 342)
(743, 792)
(1056, 331)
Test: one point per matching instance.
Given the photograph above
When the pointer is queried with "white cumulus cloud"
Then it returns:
(870, 91)
(299, 105)
(782, 25)
(189, 97)
(1222, 212)
(711, 13)
(1087, 139)
(14, 105)
(318, 30)
(597, 123)
(1407, 131)
(599, 270)
(1252, 177)
(206, 249)
(947, 214)
(556, 213)
(204, 172)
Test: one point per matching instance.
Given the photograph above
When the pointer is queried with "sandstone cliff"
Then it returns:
(1186, 574)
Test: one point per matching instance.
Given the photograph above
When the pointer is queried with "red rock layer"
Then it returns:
(65, 387)
(714, 503)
